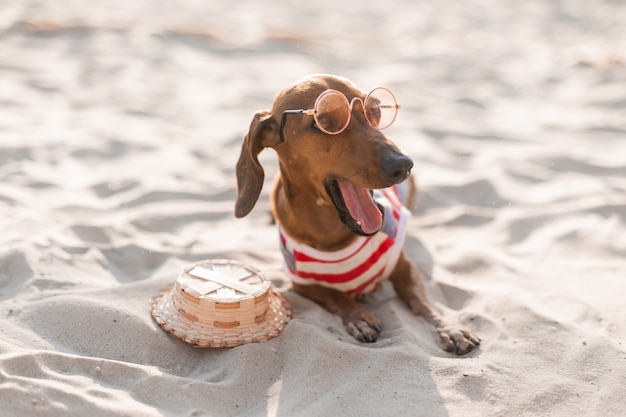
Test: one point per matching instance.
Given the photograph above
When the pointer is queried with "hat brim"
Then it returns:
(202, 335)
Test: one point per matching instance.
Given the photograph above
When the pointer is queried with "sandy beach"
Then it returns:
(120, 127)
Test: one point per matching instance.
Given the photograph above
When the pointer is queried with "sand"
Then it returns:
(120, 127)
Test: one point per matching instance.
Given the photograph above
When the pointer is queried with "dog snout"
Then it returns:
(397, 168)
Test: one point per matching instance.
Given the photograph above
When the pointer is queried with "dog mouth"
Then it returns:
(356, 206)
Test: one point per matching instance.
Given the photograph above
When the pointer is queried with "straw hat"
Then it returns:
(221, 303)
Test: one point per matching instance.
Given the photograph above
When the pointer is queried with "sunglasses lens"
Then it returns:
(332, 112)
(381, 108)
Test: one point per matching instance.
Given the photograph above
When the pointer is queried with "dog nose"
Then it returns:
(397, 167)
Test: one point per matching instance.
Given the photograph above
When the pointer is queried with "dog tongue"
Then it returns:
(361, 206)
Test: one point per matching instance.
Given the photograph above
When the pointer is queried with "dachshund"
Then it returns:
(340, 201)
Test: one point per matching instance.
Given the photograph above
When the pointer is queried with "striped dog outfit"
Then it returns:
(360, 267)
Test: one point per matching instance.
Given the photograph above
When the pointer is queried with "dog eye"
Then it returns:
(374, 110)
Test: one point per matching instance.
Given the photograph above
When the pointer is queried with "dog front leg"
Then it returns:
(409, 284)
(359, 322)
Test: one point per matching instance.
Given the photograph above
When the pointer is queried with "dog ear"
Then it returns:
(250, 175)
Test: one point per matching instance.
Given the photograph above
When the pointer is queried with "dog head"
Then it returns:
(341, 168)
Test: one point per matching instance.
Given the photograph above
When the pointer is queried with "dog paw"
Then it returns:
(364, 329)
(459, 341)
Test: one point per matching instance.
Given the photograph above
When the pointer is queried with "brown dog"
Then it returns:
(331, 155)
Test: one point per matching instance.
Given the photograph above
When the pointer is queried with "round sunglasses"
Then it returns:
(332, 110)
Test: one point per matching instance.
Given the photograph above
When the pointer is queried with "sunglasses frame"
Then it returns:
(313, 111)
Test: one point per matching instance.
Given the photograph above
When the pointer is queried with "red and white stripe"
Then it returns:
(360, 267)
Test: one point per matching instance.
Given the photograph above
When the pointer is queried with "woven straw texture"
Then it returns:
(221, 303)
